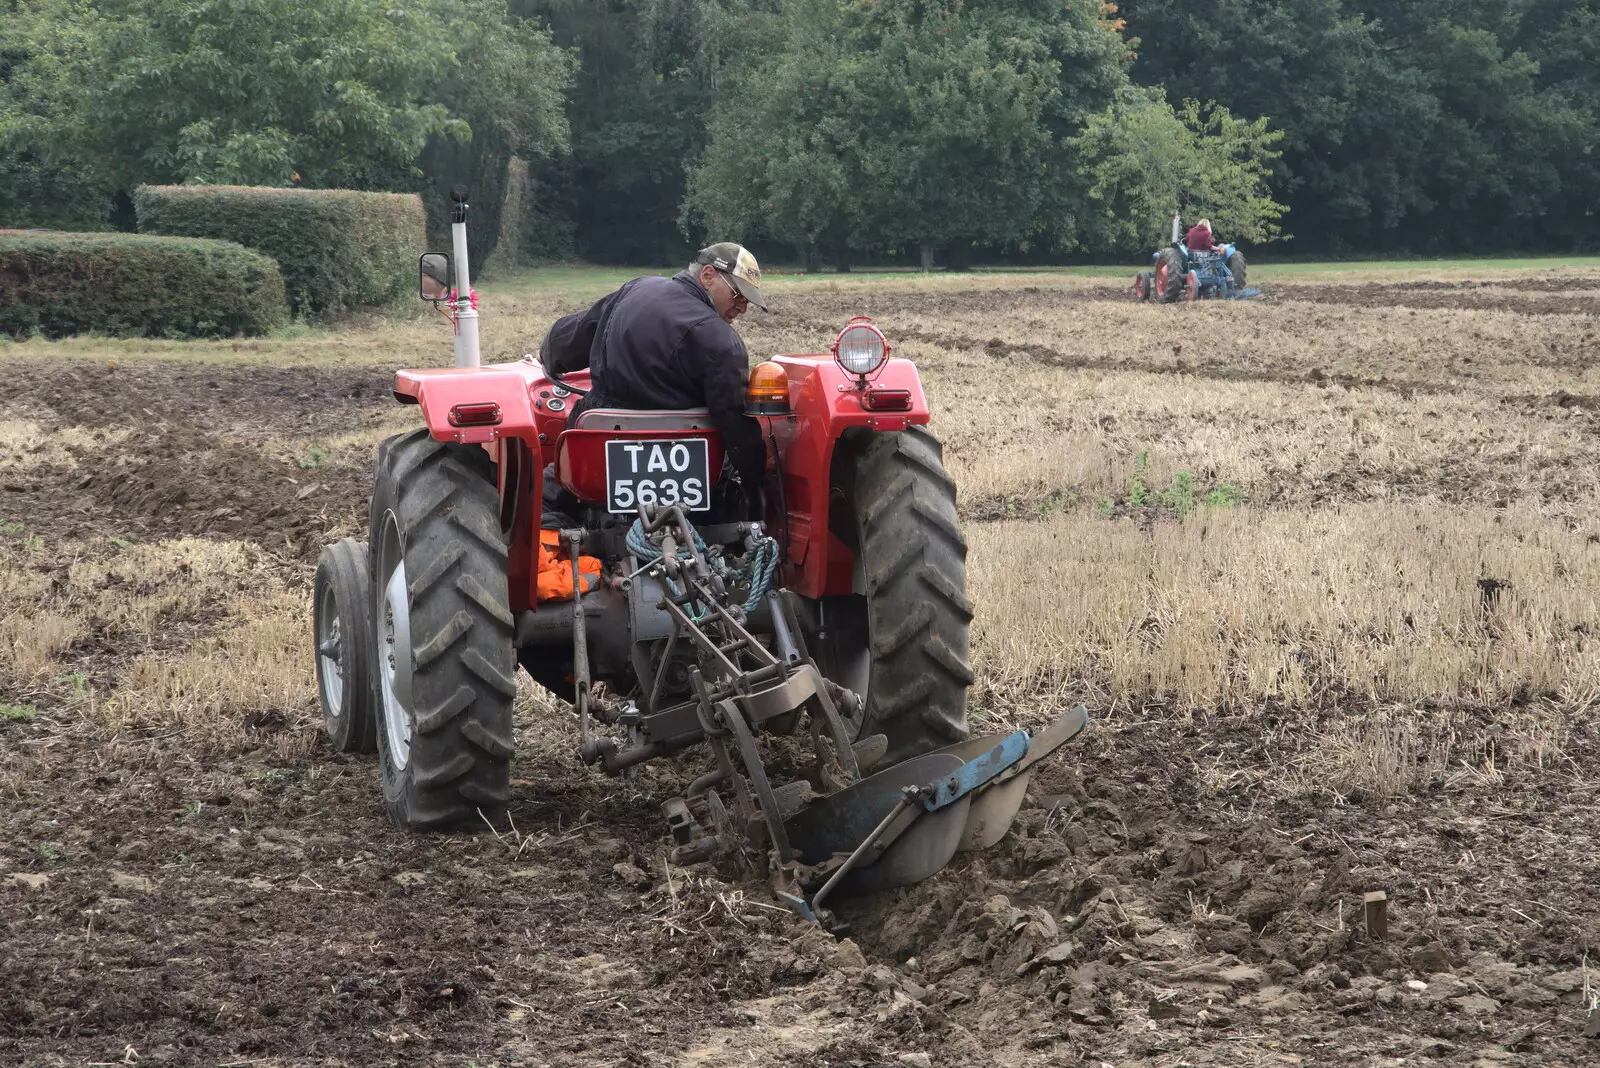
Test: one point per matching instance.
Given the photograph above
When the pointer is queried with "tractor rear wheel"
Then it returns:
(900, 642)
(1236, 267)
(1170, 272)
(443, 632)
(342, 634)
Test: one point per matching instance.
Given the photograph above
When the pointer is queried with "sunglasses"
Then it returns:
(732, 288)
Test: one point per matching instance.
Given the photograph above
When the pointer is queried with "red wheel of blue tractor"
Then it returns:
(1141, 285)
(1191, 287)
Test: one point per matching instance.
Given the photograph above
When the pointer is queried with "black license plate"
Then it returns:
(674, 471)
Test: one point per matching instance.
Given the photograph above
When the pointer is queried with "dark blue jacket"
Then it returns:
(659, 343)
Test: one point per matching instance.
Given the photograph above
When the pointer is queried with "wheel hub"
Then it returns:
(395, 665)
(329, 652)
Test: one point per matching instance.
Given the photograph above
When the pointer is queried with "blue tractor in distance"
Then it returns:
(1180, 274)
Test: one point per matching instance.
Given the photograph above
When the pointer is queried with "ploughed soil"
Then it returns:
(1164, 897)
(216, 911)
(202, 453)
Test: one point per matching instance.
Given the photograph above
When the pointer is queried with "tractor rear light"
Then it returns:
(768, 391)
(481, 413)
(887, 400)
(861, 347)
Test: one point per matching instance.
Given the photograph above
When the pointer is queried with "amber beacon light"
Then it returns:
(768, 391)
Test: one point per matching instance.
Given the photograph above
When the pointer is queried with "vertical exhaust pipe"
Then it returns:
(466, 314)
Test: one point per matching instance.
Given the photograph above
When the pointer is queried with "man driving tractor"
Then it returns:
(654, 344)
(662, 343)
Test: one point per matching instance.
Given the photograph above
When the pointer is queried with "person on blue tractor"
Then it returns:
(1199, 238)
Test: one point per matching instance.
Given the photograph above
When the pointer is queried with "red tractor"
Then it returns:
(841, 619)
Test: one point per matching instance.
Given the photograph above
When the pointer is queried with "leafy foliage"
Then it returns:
(651, 72)
(253, 92)
(1429, 125)
(839, 129)
(98, 96)
(337, 249)
(40, 184)
(1139, 161)
(510, 91)
(57, 284)
(886, 122)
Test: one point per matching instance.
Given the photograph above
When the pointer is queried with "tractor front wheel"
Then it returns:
(341, 631)
(900, 641)
(443, 632)
(1191, 287)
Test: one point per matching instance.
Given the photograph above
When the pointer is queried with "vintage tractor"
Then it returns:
(817, 654)
(1179, 274)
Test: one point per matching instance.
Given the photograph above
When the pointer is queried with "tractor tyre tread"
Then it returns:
(464, 679)
(1177, 273)
(916, 594)
(1237, 267)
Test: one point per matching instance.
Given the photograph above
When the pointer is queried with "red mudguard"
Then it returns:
(825, 401)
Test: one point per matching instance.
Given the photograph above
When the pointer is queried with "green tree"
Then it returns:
(260, 92)
(510, 90)
(886, 123)
(1432, 125)
(954, 104)
(40, 184)
(781, 163)
(332, 93)
(650, 73)
(1139, 161)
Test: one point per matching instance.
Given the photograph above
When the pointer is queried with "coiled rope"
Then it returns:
(759, 566)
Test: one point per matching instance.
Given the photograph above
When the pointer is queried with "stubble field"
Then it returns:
(1323, 566)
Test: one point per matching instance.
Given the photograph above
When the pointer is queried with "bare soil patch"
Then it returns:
(1525, 296)
(244, 399)
(1160, 896)
(190, 450)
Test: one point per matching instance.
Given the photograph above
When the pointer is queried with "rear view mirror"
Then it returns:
(434, 272)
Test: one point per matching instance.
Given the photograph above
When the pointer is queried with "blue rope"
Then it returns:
(758, 571)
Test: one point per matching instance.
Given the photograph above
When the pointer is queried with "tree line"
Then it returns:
(833, 132)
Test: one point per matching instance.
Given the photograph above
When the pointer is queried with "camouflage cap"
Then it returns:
(738, 266)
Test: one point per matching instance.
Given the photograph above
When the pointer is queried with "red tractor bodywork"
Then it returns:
(519, 414)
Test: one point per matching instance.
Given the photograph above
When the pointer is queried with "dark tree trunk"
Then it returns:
(926, 248)
(122, 214)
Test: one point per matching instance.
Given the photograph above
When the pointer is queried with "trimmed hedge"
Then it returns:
(128, 285)
(337, 248)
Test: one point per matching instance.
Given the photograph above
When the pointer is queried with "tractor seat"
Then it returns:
(639, 419)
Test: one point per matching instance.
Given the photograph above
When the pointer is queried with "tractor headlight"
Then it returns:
(861, 348)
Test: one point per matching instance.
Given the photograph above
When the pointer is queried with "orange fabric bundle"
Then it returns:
(555, 569)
